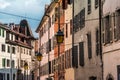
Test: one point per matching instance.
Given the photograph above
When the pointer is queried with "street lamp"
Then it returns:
(59, 38)
(39, 58)
(26, 68)
(59, 35)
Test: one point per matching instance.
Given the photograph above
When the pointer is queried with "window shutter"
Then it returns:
(3, 62)
(81, 54)
(89, 45)
(49, 45)
(49, 67)
(118, 24)
(71, 26)
(82, 18)
(107, 30)
(96, 3)
(66, 30)
(89, 6)
(64, 4)
(115, 27)
(75, 56)
(97, 42)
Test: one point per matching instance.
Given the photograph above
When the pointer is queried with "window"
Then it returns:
(0, 31)
(22, 39)
(3, 33)
(13, 50)
(118, 72)
(118, 24)
(63, 63)
(89, 45)
(66, 30)
(56, 13)
(8, 76)
(76, 23)
(24, 51)
(7, 36)
(52, 66)
(12, 37)
(21, 63)
(21, 50)
(3, 62)
(97, 42)
(66, 59)
(16, 37)
(18, 49)
(103, 31)
(71, 24)
(49, 44)
(8, 63)
(96, 4)
(29, 52)
(13, 76)
(3, 47)
(82, 18)
(108, 30)
(115, 27)
(81, 54)
(89, 6)
(53, 19)
(8, 49)
(13, 64)
(75, 57)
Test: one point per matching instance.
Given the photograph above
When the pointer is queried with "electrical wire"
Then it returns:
(19, 16)
(6, 13)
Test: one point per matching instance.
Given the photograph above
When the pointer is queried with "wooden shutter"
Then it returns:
(75, 56)
(81, 54)
(89, 45)
(97, 42)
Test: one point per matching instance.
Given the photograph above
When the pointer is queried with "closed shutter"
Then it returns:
(81, 54)
(89, 45)
(3, 62)
(97, 42)
(75, 56)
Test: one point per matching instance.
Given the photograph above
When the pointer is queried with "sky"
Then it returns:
(28, 8)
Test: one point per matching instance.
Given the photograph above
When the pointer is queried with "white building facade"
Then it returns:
(15, 50)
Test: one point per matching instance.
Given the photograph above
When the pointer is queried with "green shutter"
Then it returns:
(0, 31)
(3, 62)
(3, 32)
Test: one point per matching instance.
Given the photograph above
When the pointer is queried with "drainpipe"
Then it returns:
(100, 30)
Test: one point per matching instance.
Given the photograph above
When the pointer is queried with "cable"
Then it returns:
(18, 16)
(92, 19)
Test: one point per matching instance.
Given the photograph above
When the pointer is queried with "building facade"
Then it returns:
(7, 57)
(46, 42)
(85, 55)
(110, 32)
(69, 70)
(16, 49)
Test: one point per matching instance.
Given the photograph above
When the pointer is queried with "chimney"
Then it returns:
(46, 6)
(11, 25)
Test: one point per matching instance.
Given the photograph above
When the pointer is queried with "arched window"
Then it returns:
(109, 77)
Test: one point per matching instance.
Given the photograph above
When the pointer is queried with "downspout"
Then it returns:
(100, 36)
